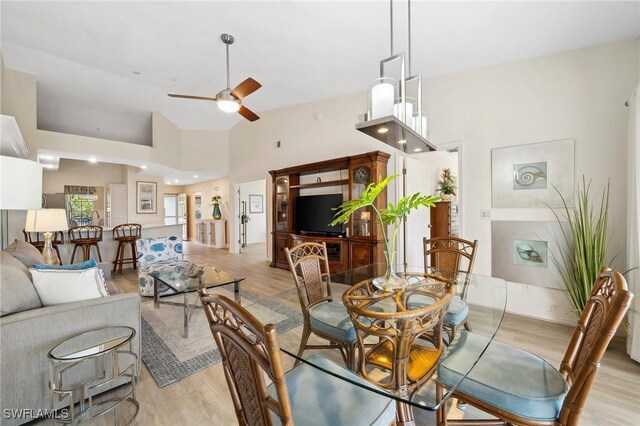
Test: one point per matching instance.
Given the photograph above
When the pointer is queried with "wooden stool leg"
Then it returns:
(98, 249)
(134, 253)
(122, 254)
(73, 254)
(115, 262)
(86, 252)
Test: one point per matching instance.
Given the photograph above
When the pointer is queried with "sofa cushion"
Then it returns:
(17, 293)
(56, 286)
(25, 253)
(158, 249)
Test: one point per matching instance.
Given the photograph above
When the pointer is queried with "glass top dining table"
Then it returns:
(486, 297)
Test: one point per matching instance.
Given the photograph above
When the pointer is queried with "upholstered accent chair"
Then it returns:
(155, 254)
(304, 395)
(324, 317)
(452, 258)
(520, 388)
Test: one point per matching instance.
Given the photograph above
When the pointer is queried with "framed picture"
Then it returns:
(522, 252)
(198, 205)
(255, 204)
(146, 197)
(528, 175)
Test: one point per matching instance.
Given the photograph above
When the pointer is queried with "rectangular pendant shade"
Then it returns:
(20, 184)
(395, 133)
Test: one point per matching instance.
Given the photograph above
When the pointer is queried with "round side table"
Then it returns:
(102, 345)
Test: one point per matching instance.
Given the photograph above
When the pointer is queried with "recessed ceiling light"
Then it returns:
(175, 180)
(46, 157)
(143, 167)
(383, 130)
(48, 166)
(195, 176)
(92, 160)
(402, 141)
(417, 150)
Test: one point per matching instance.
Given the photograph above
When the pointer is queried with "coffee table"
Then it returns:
(177, 278)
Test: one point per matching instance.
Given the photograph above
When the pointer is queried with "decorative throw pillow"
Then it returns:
(17, 293)
(25, 253)
(91, 263)
(56, 286)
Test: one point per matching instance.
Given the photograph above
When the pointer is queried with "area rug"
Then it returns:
(170, 357)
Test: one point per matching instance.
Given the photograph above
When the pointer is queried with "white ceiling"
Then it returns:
(84, 53)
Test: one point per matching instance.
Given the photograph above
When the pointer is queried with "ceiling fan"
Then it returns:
(229, 100)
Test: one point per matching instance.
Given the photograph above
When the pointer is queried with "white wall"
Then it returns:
(578, 94)
(257, 226)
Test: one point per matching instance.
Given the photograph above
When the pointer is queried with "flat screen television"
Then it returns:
(314, 213)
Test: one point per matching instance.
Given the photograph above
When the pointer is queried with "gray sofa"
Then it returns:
(29, 331)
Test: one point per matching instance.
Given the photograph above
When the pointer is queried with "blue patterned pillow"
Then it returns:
(91, 263)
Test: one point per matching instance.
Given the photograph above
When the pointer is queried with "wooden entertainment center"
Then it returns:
(361, 242)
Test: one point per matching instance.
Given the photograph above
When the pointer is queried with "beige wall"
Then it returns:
(207, 190)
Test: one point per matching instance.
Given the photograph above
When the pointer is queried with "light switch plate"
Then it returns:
(485, 214)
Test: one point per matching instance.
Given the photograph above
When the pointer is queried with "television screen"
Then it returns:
(314, 213)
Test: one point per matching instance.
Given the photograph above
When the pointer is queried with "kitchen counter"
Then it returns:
(108, 246)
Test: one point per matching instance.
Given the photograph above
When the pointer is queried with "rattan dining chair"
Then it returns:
(401, 350)
(520, 388)
(304, 395)
(322, 315)
(450, 257)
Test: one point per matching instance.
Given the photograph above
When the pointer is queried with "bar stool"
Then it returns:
(33, 238)
(124, 234)
(85, 237)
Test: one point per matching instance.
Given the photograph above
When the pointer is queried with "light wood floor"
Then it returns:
(203, 398)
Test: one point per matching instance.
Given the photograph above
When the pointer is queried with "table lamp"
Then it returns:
(47, 221)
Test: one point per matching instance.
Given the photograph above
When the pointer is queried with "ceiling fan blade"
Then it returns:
(203, 98)
(247, 113)
(245, 88)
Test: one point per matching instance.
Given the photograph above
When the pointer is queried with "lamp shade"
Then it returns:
(20, 184)
(46, 220)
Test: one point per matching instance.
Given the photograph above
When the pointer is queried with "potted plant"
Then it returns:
(447, 184)
(244, 219)
(584, 244)
(393, 214)
(215, 202)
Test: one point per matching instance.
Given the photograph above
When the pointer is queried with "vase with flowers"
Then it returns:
(215, 202)
(393, 214)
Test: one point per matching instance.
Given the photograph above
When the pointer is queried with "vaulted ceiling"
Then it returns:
(103, 67)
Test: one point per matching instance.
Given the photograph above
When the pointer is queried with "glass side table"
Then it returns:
(112, 344)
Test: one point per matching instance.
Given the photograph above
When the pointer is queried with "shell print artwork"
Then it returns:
(530, 176)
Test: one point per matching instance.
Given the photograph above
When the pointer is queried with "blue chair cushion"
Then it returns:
(505, 377)
(456, 313)
(318, 398)
(332, 319)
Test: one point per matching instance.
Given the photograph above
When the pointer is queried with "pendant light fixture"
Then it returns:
(394, 114)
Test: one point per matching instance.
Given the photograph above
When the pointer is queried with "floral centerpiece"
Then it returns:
(215, 202)
(393, 214)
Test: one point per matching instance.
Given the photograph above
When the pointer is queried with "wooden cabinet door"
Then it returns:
(360, 254)
(282, 241)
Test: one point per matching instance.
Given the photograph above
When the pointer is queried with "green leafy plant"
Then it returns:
(244, 219)
(393, 214)
(216, 199)
(584, 243)
(447, 183)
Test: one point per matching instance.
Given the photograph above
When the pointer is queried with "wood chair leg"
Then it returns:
(441, 414)
(122, 255)
(467, 325)
(351, 357)
(306, 332)
(134, 254)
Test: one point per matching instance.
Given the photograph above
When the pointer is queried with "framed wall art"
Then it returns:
(525, 175)
(146, 195)
(256, 204)
(522, 252)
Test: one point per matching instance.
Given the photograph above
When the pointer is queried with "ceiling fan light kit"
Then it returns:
(394, 114)
(229, 100)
